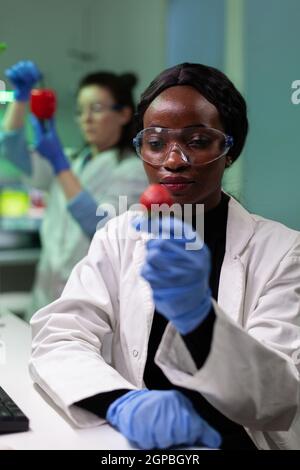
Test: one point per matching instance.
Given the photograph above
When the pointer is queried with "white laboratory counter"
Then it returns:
(49, 429)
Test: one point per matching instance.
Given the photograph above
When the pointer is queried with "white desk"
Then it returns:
(49, 429)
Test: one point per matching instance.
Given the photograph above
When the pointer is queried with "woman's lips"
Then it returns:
(177, 186)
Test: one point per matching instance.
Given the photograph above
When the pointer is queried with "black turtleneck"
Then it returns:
(198, 342)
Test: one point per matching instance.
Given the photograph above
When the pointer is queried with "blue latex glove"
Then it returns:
(23, 76)
(47, 143)
(179, 277)
(160, 419)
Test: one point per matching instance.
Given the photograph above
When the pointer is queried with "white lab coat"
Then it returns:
(94, 338)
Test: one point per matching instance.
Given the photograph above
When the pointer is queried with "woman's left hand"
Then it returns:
(178, 276)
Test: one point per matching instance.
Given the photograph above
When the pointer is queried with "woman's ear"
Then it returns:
(229, 161)
(125, 115)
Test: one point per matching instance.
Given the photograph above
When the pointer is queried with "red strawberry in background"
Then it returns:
(43, 103)
(156, 194)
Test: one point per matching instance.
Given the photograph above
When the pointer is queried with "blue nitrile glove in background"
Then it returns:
(23, 75)
(179, 277)
(47, 143)
(160, 419)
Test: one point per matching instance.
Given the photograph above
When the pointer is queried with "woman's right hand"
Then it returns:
(23, 75)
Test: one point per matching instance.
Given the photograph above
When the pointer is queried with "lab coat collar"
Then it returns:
(240, 228)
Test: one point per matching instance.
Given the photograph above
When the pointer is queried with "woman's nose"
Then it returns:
(176, 158)
(86, 115)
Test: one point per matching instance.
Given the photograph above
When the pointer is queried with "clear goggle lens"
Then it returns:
(198, 145)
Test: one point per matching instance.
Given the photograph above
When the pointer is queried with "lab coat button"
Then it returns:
(135, 353)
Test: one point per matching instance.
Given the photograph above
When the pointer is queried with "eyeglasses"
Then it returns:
(96, 108)
(197, 145)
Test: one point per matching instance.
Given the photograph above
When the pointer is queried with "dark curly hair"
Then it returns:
(215, 87)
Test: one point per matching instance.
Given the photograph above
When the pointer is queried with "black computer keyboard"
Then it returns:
(12, 419)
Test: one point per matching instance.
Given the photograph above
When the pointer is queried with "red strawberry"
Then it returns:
(156, 194)
(43, 103)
